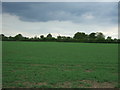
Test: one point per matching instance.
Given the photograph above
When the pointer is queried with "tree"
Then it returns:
(109, 39)
(80, 35)
(35, 38)
(3, 37)
(19, 37)
(115, 40)
(26, 39)
(11, 38)
(118, 40)
(59, 37)
(92, 35)
(49, 36)
(64, 38)
(42, 36)
(100, 37)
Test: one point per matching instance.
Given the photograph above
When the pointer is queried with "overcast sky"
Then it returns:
(59, 18)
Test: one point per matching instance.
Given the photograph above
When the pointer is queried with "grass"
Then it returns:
(59, 65)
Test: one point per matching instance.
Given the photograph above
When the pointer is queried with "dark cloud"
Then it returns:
(80, 12)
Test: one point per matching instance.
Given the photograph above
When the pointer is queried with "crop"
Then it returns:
(59, 65)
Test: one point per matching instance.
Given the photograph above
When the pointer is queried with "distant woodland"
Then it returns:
(82, 37)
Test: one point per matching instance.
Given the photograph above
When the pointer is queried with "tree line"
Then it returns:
(93, 37)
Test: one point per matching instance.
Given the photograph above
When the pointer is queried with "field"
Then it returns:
(59, 65)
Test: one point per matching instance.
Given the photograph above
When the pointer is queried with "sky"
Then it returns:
(59, 18)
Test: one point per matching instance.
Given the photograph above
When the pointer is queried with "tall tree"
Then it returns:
(80, 35)
(92, 35)
(42, 36)
(100, 37)
(19, 37)
(49, 36)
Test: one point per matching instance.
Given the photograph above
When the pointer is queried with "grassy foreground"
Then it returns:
(59, 65)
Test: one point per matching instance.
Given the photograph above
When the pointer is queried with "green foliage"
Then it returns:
(92, 35)
(100, 37)
(18, 37)
(78, 37)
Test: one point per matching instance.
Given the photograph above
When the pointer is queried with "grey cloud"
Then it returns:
(103, 12)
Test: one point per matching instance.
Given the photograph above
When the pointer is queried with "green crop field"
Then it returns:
(59, 65)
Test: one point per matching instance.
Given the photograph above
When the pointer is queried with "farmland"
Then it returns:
(59, 65)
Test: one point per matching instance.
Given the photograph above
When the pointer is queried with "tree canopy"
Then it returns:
(93, 37)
